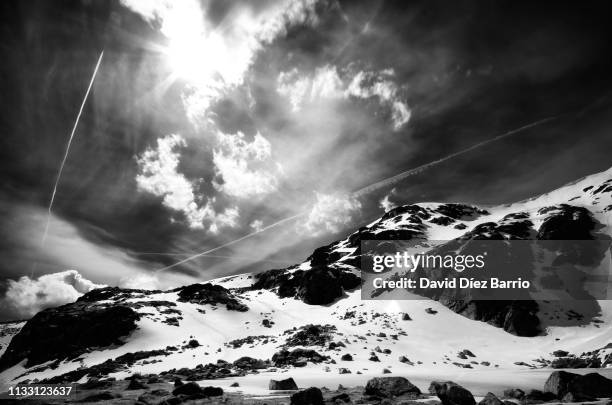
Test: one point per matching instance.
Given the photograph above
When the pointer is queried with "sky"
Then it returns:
(211, 120)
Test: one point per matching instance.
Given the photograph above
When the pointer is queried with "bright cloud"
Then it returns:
(379, 84)
(141, 281)
(215, 58)
(158, 175)
(257, 225)
(26, 297)
(245, 168)
(386, 203)
(326, 83)
(330, 213)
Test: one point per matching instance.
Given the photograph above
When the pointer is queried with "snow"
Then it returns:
(429, 338)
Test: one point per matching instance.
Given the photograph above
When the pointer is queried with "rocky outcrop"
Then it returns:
(210, 294)
(69, 331)
(317, 286)
(297, 357)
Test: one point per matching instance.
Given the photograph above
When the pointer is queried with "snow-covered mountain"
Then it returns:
(309, 322)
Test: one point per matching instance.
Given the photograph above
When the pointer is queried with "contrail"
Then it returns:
(375, 186)
(401, 176)
(275, 224)
(252, 259)
(61, 168)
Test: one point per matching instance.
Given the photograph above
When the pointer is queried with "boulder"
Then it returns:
(188, 389)
(287, 384)
(310, 396)
(346, 357)
(490, 399)
(390, 386)
(515, 393)
(451, 393)
(212, 391)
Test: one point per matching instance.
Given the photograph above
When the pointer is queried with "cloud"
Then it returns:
(158, 174)
(326, 84)
(244, 169)
(25, 297)
(386, 204)
(367, 84)
(142, 281)
(214, 56)
(256, 225)
(330, 213)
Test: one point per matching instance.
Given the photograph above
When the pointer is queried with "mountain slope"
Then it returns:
(304, 320)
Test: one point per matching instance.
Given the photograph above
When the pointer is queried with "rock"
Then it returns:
(67, 332)
(346, 357)
(539, 396)
(322, 285)
(189, 389)
(560, 353)
(177, 382)
(515, 393)
(210, 294)
(235, 384)
(343, 370)
(451, 393)
(386, 371)
(374, 358)
(490, 399)
(431, 311)
(561, 383)
(390, 386)
(406, 317)
(310, 396)
(571, 397)
(193, 343)
(212, 391)
(297, 357)
(136, 384)
(287, 384)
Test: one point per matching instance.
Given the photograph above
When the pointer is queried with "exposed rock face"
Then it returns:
(560, 383)
(68, 331)
(310, 396)
(390, 386)
(451, 393)
(567, 222)
(287, 384)
(210, 294)
(297, 357)
(317, 286)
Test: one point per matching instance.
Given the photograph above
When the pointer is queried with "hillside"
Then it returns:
(309, 322)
